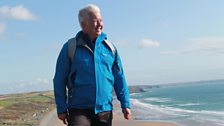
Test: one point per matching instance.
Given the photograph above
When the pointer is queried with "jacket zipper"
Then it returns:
(89, 48)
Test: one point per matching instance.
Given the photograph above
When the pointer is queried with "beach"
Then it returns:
(120, 121)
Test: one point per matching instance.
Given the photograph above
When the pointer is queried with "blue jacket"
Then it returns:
(90, 81)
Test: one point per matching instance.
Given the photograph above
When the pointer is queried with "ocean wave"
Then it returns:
(152, 111)
(220, 123)
(154, 99)
(190, 104)
(149, 111)
(221, 113)
(205, 112)
(133, 94)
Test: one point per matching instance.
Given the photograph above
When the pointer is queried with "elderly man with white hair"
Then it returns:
(88, 69)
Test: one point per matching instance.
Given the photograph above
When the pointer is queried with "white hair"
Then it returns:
(86, 11)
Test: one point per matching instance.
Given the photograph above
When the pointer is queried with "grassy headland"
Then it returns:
(25, 109)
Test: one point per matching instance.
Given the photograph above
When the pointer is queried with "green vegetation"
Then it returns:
(39, 98)
(25, 109)
(7, 102)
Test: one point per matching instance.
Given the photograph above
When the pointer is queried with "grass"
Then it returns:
(7, 102)
(39, 98)
(25, 109)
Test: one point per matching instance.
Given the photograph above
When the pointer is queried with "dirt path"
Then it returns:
(51, 120)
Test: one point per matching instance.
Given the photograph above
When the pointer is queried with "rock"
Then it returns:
(35, 114)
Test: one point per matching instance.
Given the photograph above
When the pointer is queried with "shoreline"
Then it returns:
(118, 120)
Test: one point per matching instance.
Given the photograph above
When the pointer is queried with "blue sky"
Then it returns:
(159, 41)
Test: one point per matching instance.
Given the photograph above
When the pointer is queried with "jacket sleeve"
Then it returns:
(120, 85)
(60, 79)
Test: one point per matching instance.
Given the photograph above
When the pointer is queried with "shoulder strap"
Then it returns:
(71, 48)
(111, 46)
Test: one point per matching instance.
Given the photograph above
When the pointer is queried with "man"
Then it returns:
(83, 85)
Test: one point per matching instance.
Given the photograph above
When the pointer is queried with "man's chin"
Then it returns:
(98, 33)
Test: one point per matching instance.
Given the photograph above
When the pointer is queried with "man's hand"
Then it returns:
(127, 113)
(63, 117)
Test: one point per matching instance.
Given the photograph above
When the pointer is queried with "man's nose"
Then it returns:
(99, 23)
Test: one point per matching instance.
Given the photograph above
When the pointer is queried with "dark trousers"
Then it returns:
(86, 117)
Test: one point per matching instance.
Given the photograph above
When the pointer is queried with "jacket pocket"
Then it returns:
(71, 88)
(107, 61)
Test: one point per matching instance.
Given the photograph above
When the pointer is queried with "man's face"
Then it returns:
(94, 25)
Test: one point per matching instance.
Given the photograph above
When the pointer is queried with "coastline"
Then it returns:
(32, 107)
(118, 120)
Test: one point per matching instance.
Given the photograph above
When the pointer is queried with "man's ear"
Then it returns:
(84, 26)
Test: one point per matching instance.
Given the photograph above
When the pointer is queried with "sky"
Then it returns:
(159, 41)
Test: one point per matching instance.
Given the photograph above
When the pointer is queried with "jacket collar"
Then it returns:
(98, 40)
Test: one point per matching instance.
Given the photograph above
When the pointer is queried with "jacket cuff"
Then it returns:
(61, 110)
(125, 105)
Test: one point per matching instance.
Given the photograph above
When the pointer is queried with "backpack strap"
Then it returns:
(72, 43)
(71, 48)
(111, 46)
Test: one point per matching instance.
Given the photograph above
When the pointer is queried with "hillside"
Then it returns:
(25, 109)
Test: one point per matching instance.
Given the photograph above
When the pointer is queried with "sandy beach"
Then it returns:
(120, 121)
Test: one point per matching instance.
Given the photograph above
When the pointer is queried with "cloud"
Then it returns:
(2, 28)
(212, 45)
(18, 12)
(39, 84)
(206, 45)
(148, 43)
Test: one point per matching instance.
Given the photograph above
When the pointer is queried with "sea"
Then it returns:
(187, 104)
